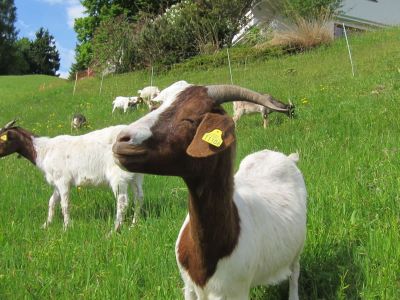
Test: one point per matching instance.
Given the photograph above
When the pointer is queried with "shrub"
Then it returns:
(303, 33)
(114, 45)
(238, 55)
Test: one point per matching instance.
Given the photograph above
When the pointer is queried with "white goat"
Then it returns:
(75, 161)
(124, 102)
(242, 230)
(148, 93)
(166, 93)
(240, 108)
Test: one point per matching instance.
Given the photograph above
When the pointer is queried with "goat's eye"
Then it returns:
(188, 120)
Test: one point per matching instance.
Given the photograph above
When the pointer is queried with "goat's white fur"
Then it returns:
(123, 102)
(270, 196)
(85, 160)
(170, 91)
(149, 92)
(240, 108)
(140, 130)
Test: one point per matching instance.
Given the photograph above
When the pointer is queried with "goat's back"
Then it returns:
(242, 107)
(82, 159)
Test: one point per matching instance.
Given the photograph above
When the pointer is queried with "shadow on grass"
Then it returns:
(331, 275)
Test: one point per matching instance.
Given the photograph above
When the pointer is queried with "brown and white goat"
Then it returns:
(241, 230)
(240, 108)
(68, 160)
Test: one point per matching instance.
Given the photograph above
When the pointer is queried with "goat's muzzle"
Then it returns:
(126, 153)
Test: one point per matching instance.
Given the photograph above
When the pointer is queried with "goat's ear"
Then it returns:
(4, 137)
(215, 133)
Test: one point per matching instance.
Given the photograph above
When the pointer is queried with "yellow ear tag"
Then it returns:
(3, 137)
(214, 137)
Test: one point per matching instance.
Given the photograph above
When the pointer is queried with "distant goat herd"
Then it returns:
(242, 230)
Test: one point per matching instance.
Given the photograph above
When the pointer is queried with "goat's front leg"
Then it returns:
(236, 116)
(122, 204)
(121, 194)
(265, 120)
(189, 293)
(138, 197)
(294, 281)
(64, 194)
(54, 199)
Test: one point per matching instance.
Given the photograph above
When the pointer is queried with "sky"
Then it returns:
(57, 16)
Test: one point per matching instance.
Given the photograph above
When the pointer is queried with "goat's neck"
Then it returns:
(213, 229)
(212, 210)
(25, 145)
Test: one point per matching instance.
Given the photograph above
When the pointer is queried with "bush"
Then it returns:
(309, 9)
(304, 33)
(238, 55)
(114, 45)
(184, 30)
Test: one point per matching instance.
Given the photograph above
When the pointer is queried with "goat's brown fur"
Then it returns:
(18, 140)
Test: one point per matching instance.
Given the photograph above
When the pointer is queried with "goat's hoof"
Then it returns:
(117, 229)
(66, 226)
(134, 225)
(45, 225)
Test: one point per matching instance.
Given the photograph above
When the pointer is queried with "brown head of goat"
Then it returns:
(14, 139)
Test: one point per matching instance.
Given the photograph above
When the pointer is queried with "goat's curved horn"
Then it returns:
(228, 93)
(10, 124)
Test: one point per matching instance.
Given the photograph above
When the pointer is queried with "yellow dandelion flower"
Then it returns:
(304, 101)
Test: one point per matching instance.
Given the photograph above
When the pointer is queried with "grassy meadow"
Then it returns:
(346, 130)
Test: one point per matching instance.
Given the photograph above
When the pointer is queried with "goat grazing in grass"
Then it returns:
(241, 108)
(124, 103)
(78, 121)
(74, 161)
(242, 230)
(147, 94)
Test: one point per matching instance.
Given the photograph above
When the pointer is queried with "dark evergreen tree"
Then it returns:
(8, 35)
(44, 56)
(22, 60)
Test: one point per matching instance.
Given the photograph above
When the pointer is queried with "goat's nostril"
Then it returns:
(124, 138)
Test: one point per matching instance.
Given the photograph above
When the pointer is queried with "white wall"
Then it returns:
(381, 11)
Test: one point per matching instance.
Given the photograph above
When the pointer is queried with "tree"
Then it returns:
(190, 28)
(114, 45)
(8, 35)
(103, 10)
(22, 63)
(44, 55)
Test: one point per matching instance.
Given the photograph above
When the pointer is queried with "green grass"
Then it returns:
(346, 131)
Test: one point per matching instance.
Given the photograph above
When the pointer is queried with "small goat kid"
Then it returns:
(241, 230)
(124, 103)
(241, 108)
(78, 120)
(147, 94)
(75, 161)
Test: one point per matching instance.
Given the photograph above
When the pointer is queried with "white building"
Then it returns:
(356, 14)
(367, 14)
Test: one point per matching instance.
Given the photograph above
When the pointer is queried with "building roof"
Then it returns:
(371, 12)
